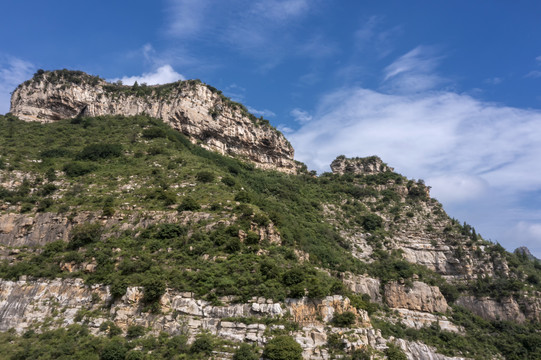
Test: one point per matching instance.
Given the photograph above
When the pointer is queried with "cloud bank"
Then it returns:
(162, 75)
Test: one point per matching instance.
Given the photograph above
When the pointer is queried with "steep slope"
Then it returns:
(117, 232)
(197, 110)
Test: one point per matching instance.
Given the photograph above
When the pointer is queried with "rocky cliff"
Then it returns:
(198, 111)
(26, 305)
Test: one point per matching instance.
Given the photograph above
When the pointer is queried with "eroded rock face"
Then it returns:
(18, 230)
(359, 166)
(506, 309)
(189, 107)
(419, 297)
(25, 304)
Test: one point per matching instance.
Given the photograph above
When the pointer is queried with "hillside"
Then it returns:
(120, 237)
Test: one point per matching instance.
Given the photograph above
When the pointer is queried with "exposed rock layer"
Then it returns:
(27, 304)
(189, 107)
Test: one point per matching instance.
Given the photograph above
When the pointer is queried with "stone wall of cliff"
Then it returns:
(198, 111)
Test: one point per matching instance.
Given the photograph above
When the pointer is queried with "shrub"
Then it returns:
(135, 331)
(135, 355)
(393, 352)
(114, 350)
(154, 133)
(118, 288)
(84, 234)
(282, 347)
(55, 153)
(245, 352)
(170, 231)
(229, 181)
(205, 176)
(95, 152)
(243, 196)
(202, 344)
(293, 276)
(153, 289)
(76, 168)
(371, 222)
(188, 204)
(345, 319)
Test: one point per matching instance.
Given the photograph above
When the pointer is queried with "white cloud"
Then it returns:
(538, 59)
(13, 71)
(163, 75)
(413, 72)
(301, 116)
(281, 10)
(371, 37)
(494, 80)
(533, 74)
(264, 113)
(285, 129)
(186, 17)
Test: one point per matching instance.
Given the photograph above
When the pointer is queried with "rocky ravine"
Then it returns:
(191, 107)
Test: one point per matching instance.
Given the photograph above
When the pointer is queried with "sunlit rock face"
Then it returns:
(198, 111)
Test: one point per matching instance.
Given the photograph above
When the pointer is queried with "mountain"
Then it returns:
(197, 110)
(126, 232)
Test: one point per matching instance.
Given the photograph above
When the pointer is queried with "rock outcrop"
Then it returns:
(359, 166)
(29, 304)
(507, 309)
(419, 296)
(198, 111)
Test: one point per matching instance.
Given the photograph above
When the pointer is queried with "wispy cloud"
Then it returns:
(372, 36)
(533, 74)
(280, 10)
(494, 80)
(413, 71)
(162, 75)
(186, 17)
(264, 113)
(13, 71)
(301, 116)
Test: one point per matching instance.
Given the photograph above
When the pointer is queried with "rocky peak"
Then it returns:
(359, 166)
(197, 110)
(525, 252)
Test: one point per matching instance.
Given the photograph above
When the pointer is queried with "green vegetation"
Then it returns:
(76, 342)
(282, 347)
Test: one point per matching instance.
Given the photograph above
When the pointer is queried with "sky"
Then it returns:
(445, 91)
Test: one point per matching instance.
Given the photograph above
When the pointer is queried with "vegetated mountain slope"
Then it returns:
(167, 236)
(197, 110)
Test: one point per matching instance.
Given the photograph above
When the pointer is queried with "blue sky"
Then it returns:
(446, 91)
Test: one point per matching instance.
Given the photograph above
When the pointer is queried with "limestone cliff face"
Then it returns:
(359, 166)
(419, 296)
(508, 309)
(26, 304)
(195, 109)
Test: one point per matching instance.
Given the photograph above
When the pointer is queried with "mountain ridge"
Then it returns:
(197, 110)
(117, 225)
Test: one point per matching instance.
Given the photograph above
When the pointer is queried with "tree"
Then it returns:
(345, 319)
(282, 347)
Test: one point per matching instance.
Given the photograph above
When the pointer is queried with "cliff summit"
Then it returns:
(197, 110)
